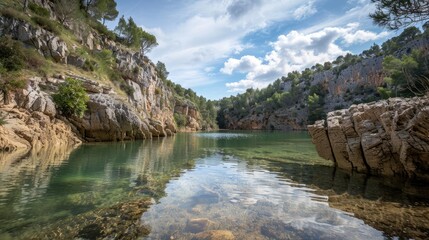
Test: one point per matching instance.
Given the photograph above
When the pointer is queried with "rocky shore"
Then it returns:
(389, 137)
(31, 118)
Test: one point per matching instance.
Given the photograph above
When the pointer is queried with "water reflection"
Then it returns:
(49, 186)
(256, 185)
(30, 174)
(249, 202)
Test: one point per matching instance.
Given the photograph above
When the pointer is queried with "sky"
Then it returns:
(220, 48)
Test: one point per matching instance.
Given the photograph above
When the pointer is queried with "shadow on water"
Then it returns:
(397, 207)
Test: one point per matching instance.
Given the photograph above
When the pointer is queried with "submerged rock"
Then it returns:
(215, 235)
(121, 221)
(197, 225)
(389, 137)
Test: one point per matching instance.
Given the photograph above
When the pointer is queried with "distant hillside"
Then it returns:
(398, 68)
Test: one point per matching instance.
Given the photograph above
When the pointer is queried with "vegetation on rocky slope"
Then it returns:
(306, 96)
(90, 50)
(71, 98)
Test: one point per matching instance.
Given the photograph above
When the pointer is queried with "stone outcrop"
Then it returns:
(109, 119)
(389, 137)
(30, 122)
(47, 43)
(193, 116)
(147, 111)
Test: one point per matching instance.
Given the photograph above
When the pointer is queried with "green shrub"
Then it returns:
(39, 10)
(180, 119)
(102, 30)
(114, 75)
(105, 55)
(71, 98)
(33, 59)
(136, 70)
(11, 81)
(2, 119)
(89, 65)
(12, 13)
(157, 91)
(127, 89)
(47, 24)
(11, 56)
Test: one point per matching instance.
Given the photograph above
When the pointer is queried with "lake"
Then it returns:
(208, 185)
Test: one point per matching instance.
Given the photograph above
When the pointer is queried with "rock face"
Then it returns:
(47, 43)
(355, 83)
(282, 119)
(147, 111)
(193, 116)
(389, 137)
(30, 122)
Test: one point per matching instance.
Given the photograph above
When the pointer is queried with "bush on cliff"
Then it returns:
(39, 10)
(12, 61)
(11, 57)
(71, 98)
(180, 119)
(47, 24)
(2, 119)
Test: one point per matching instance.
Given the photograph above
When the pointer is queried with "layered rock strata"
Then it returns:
(389, 137)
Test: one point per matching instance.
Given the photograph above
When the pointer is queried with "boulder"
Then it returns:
(320, 136)
(197, 225)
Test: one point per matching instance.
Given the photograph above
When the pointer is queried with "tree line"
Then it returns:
(97, 12)
(406, 74)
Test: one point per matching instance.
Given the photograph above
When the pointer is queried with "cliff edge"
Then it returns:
(389, 137)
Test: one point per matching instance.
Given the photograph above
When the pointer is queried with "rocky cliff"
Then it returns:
(285, 105)
(31, 124)
(32, 121)
(389, 137)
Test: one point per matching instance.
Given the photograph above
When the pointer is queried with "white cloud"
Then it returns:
(305, 11)
(204, 35)
(245, 64)
(242, 85)
(295, 51)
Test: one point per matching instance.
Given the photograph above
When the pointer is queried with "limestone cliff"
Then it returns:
(32, 121)
(284, 104)
(389, 137)
(31, 124)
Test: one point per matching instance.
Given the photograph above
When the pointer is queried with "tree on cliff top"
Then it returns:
(134, 36)
(66, 9)
(106, 10)
(395, 14)
(101, 9)
(162, 70)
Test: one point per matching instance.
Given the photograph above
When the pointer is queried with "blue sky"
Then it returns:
(222, 47)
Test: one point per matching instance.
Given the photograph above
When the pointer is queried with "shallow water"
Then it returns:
(256, 185)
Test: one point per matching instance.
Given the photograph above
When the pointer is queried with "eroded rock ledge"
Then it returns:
(389, 137)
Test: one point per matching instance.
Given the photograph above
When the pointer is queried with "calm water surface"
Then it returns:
(254, 185)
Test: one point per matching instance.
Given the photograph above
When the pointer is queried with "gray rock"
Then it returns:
(76, 61)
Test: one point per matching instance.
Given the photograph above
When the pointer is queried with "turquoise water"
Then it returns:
(253, 185)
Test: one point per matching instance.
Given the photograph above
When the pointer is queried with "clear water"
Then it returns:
(253, 185)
